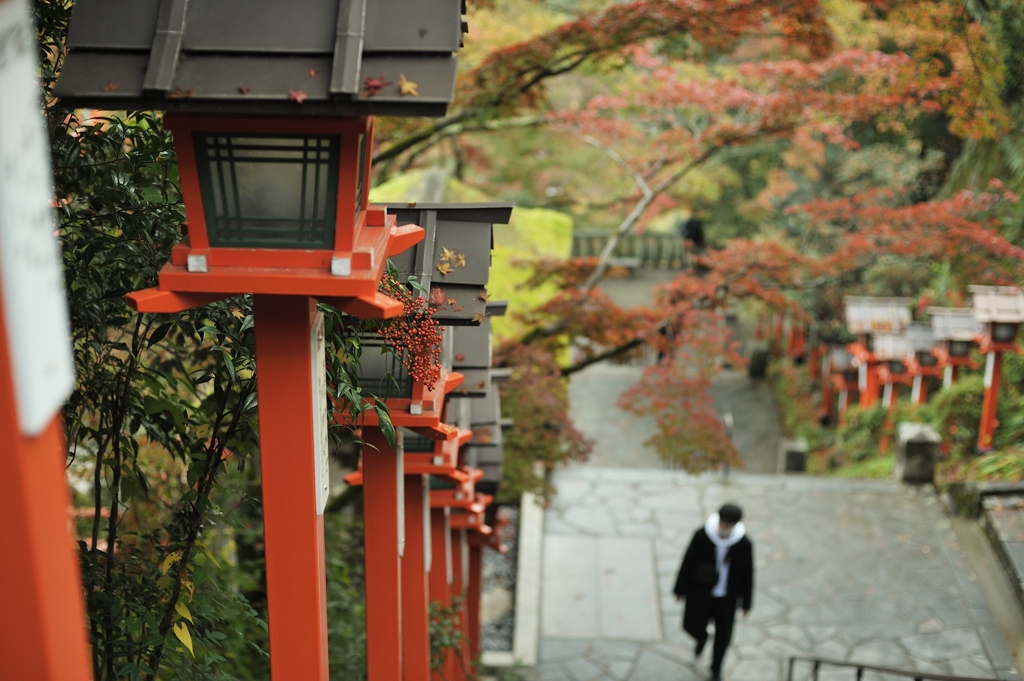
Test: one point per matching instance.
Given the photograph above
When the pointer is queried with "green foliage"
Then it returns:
(957, 413)
(862, 429)
(537, 401)
(799, 401)
(445, 632)
(346, 601)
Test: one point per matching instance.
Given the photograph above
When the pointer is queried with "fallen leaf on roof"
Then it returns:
(446, 255)
(445, 268)
(372, 86)
(182, 94)
(298, 96)
(243, 90)
(110, 87)
(461, 357)
(478, 317)
(313, 72)
(458, 259)
(484, 296)
(437, 296)
(451, 301)
(407, 87)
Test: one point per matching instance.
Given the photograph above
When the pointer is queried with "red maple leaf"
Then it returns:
(372, 86)
(437, 296)
(110, 87)
(298, 96)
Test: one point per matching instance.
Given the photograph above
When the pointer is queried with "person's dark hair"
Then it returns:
(730, 513)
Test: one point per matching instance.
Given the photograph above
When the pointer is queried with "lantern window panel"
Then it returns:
(416, 443)
(269, 191)
(1004, 332)
(959, 348)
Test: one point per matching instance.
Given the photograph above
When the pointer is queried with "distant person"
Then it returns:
(716, 578)
(693, 232)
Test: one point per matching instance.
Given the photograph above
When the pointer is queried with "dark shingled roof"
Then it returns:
(340, 57)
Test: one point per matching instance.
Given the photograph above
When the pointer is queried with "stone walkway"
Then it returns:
(863, 571)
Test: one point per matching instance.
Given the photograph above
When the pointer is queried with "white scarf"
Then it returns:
(721, 548)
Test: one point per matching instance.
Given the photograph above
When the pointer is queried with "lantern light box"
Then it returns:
(954, 329)
(271, 106)
(893, 349)
(1000, 310)
(869, 315)
(839, 358)
(922, 340)
(453, 260)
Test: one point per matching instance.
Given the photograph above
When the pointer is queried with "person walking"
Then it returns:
(716, 578)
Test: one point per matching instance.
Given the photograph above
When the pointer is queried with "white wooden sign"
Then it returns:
(31, 276)
(318, 353)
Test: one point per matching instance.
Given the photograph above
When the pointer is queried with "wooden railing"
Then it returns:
(817, 663)
(657, 251)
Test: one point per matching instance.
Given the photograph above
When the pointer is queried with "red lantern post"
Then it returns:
(1000, 310)
(44, 627)
(866, 317)
(955, 331)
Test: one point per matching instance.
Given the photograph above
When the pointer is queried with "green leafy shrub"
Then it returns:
(956, 413)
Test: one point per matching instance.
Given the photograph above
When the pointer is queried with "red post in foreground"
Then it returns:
(293, 527)
(382, 501)
(441, 576)
(474, 589)
(460, 567)
(40, 588)
(993, 376)
(415, 568)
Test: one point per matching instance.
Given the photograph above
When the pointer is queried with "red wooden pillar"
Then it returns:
(416, 561)
(827, 399)
(293, 528)
(43, 626)
(382, 499)
(474, 588)
(779, 321)
(950, 375)
(919, 391)
(814, 362)
(868, 381)
(441, 572)
(460, 568)
(993, 376)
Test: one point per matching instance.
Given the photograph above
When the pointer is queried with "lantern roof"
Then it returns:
(335, 57)
(998, 304)
(873, 315)
(454, 259)
(953, 323)
(889, 347)
(921, 337)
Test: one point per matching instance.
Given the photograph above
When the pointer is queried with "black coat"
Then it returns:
(699, 561)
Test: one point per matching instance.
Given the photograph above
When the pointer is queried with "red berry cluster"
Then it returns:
(414, 336)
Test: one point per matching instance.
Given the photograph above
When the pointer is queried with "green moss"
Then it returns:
(872, 467)
(533, 233)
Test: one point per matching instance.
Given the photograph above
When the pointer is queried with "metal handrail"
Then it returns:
(861, 668)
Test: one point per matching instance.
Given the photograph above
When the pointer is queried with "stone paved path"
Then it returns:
(862, 571)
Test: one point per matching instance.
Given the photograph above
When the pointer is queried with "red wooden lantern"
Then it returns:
(999, 310)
